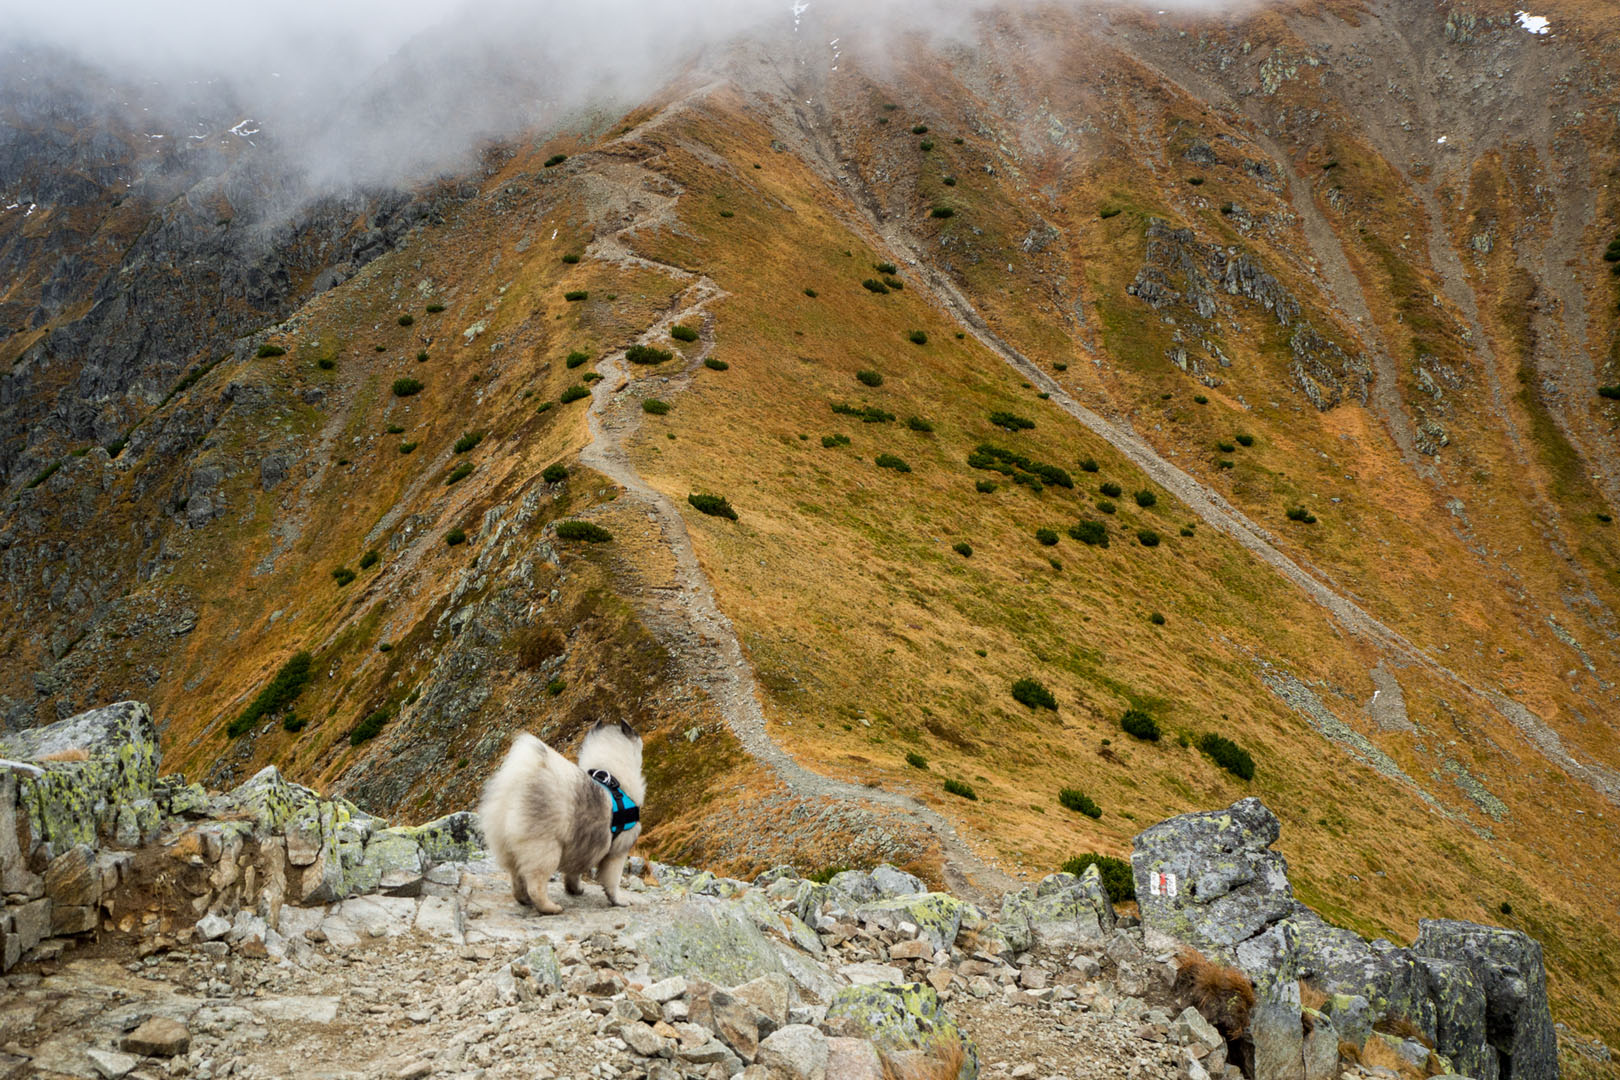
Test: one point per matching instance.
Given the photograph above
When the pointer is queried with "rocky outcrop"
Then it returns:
(1476, 994)
(1181, 272)
(92, 839)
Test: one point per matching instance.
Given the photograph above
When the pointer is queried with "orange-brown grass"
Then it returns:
(1222, 995)
(942, 1061)
(1378, 1054)
(72, 753)
(1311, 996)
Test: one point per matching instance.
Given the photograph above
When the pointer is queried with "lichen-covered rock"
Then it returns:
(1459, 1005)
(1320, 1054)
(1061, 910)
(892, 882)
(1351, 1015)
(902, 1020)
(709, 940)
(1228, 883)
(937, 916)
(80, 801)
(1508, 967)
(1340, 961)
(392, 863)
(455, 837)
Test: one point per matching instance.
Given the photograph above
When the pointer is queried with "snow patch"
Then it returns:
(243, 130)
(799, 8)
(1535, 24)
(1441, 140)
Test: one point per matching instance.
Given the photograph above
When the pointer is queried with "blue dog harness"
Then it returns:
(626, 814)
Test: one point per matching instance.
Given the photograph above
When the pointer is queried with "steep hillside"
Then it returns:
(1320, 289)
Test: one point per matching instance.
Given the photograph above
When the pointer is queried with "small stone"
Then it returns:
(213, 927)
(158, 1037)
(415, 1070)
(911, 950)
(940, 979)
(642, 1040)
(853, 1059)
(667, 989)
(1032, 978)
(1028, 1068)
(110, 1064)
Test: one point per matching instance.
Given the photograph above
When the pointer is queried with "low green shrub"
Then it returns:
(44, 474)
(716, 365)
(1117, 879)
(1156, 619)
(1105, 506)
(1077, 800)
(268, 349)
(1244, 440)
(434, 309)
(1145, 498)
(406, 320)
(1139, 725)
(545, 406)
(459, 473)
(468, 441)
(1034, 694)
(407, 387)
(555, 473)
(556, 686)
(655, 407)
(1090, 532)
(1301, 515)
(282, 690)
(116, 447)
(1010, 421)
(873, 285)
(1227, 754)
(342, 575)
(957, 787)
(926, 146)
(948, 181)
(811, 293)
(728, 213)
(985, 487)
(681, 332)
(1147, 538)
(571, 258)
(1106, 212)
(894, 283)
(868, 377)
(326, 363)
(916, 760)
(890, 461)
(407, 447)
(556, 159)
(917, 337)
(963, 548)
(396, 429)
(869, 414)
(919, 129)
(1226, 463)
(294, 723)
(574, 296)
(830, 441)
(942, 212)
(370, 559)
(573, 393)
(371, 726)
(1225, 447)
(385, 647)
(1186, 530)
(647, 354)
(917, 423)
(886, 268)
(587, 531)
(713, 505)
(1611, 392)
(1058, 365)
(1046, 537)
(1088, 465)
(575, 359)
(1111, 489)
(1200, 399)
(455, 537)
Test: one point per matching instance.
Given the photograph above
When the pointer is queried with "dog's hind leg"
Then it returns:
(608, 874)
(540, 862)
(572, 884)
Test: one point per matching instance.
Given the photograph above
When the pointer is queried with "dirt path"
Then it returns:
(688, 621)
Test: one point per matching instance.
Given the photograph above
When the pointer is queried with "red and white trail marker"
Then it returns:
(1162, 884)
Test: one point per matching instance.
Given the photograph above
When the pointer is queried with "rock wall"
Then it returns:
(1476, 995)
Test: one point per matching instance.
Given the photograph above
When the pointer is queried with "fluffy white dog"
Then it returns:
(542, 813)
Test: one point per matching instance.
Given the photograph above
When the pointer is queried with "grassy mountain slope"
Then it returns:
(1460, 318)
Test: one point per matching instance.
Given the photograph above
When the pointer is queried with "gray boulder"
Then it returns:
(1211, 880)
(907, 1024)
(1508, 967)
(1060, 911)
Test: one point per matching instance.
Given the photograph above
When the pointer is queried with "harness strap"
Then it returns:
(626, 814)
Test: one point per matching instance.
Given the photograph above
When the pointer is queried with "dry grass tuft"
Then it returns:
(1310, 997)
(1222, 995)
(537, 644)
(72, 753)
(943, 1062)
(1378, 1054)
(1349, 1052)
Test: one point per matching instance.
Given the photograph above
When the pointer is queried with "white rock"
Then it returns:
(339, 932)
(795, 1052)
(667, 989)
(111, 1064)
(869, 972)
(441, 916)
(213, 927)
(302, 1009)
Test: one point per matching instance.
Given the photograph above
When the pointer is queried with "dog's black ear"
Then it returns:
(629, 732)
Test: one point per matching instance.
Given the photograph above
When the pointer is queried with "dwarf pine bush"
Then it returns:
(1077, 800)
(1227, 754)
(1034, 694)
(713, 505)
(1140, 725)
(582, 530)
(1117, 879)
(957, 787)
